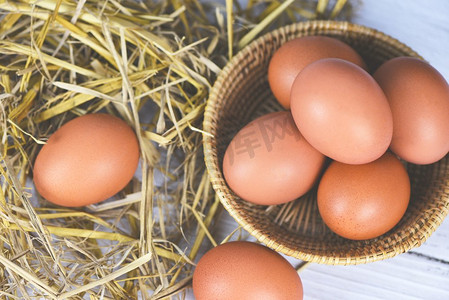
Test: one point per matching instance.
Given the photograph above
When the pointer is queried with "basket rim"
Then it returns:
(216, 178)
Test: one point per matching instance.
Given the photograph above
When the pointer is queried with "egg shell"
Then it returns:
(295, 54)
(245, 271)
(419, 99)
(341, 111)
(269, 162)
(361, 202)
(87, 160)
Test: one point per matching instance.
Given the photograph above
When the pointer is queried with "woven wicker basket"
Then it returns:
(241, 93)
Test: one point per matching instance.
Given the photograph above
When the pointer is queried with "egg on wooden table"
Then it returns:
(364, 201)
(269, 162)
(341, 111)
(245, 271)
(87, 160)
(419, 99)
(295, 54)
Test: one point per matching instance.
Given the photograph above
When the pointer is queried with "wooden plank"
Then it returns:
(422, 25)
(403, 277)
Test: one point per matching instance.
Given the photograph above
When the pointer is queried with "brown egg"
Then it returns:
(269, 162)
(341, 111)
(87, 160)
(294, 55)
(245, 271)
(419, 100)
(362, 202)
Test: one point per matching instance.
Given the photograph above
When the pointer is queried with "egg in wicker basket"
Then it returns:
(241, 94)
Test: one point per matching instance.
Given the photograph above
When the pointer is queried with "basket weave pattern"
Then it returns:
(241, 93)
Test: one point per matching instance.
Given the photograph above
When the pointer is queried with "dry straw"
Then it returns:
(152, 63)
(241, 93)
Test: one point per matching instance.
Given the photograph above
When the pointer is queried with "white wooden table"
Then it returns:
(422, 273)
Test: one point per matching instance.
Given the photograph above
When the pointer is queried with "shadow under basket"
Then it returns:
(241, 93)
